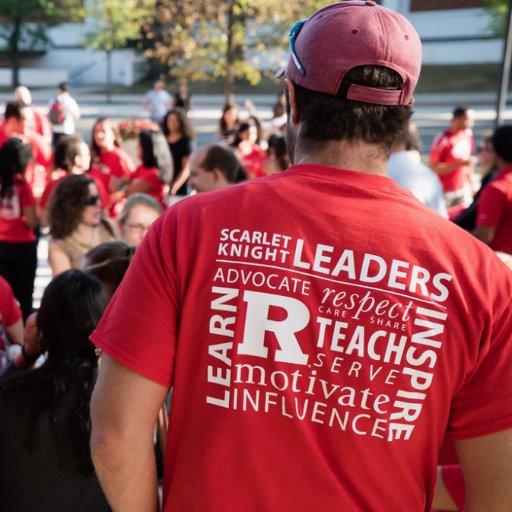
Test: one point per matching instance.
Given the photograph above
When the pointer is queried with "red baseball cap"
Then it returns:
(348, 34)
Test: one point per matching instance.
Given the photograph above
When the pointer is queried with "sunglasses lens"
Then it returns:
(92, 200)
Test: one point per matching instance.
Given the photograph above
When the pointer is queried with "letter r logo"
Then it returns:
(257, 324)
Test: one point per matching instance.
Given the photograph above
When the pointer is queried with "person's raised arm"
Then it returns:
(487, 467)
(124, 410)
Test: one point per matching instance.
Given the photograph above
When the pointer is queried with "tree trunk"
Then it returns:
(14, 56)
(229, 79)
(109, 76)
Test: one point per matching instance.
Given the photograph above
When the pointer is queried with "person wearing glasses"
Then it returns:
(321, 329)
(138, 214)
(76, 222)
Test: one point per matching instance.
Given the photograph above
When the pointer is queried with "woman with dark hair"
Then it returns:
(109, 262)
(179, 134)
(277, 159)
(18, 247)
(247, 148)
(76, 223)
(156, 169)
(71, 156)
(45, 428)
(229, 123)
(109, 163)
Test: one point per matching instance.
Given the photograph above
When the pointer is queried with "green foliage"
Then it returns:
(205, 39)
(24, 24)
(116, 22)
(499, 11)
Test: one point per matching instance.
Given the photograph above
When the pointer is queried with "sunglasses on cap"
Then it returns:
(92, 200)
(294, 32)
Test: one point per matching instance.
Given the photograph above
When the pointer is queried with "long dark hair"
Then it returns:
(185, 126)
(156, 153)
(15, 155)
(71, 306)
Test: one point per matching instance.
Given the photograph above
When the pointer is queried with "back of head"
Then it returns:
(355, 65)
(67, 149)
(15, 155)
(502, 143)
(223, 158)
(109, 262)
(156, 153)
(71, 306)
(13, 109)
(63, 87)
(67, 203)
(23, 94)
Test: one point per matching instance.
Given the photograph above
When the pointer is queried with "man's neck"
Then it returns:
(358, 156)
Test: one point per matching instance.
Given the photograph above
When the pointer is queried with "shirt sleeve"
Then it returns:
(26, 196)
(435, 150)
(483, 404)
(9, 308)
(139, 327)
(490, 206)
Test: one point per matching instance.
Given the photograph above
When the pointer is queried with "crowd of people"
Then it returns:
(96, 202)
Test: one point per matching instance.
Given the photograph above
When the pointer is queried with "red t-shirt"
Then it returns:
(116, 163)
(312, 342)
(12, 226)
(152, 176)
(449, 147)
(10, 312)
(495, 210)
(112, 164)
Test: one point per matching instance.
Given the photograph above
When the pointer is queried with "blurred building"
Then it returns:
(452, 31)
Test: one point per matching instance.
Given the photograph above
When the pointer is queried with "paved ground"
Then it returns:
(432, 114)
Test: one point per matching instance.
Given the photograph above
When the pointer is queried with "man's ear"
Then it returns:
(219, 178)
(292, 101)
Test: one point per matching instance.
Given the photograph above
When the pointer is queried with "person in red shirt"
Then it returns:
(40, 123)
(18, 250)
(494, 213)
(320, 328)
(450, 158)
(109, 163)
(156, 169)
(18, 121)
(71, 156)
(11, 323)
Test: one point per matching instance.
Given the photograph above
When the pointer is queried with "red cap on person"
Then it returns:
(348, 34)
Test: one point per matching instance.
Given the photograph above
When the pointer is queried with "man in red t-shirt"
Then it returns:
(40, 123)
(494, 214)
(322, 330)
(450, 158)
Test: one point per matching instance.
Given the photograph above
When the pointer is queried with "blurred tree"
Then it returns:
(205, 39)
(25, 23)
(116, 22)
(499, 10)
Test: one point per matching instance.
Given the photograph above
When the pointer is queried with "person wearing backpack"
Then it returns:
(63, 113)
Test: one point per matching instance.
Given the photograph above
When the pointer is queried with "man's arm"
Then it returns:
(446, 167)
(487, 466)
(124, 409)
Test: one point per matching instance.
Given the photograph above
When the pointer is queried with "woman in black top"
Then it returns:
(45, 463)
(179, 134)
